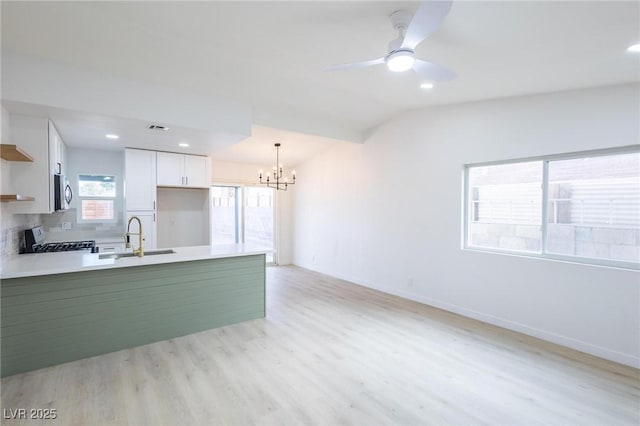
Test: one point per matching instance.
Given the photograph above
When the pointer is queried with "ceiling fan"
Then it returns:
(412, 31)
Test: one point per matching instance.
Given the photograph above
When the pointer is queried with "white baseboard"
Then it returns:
(569, 342)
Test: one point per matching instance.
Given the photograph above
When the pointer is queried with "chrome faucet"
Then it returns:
(127, 237)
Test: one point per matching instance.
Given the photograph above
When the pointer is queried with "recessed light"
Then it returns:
(112, 136)
(426, 86)
(634, 48)
(183, 144)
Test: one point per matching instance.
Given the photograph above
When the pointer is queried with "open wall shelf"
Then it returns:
(13, 153)
(15, 197)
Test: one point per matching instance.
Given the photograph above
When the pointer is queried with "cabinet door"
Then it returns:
(148, 220)
(31, 178)
(63, 158)
(196, 171)
(140, 179)
(57, 151)
(170, 169)
(55, 166)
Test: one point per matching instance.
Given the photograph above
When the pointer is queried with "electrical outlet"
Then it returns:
(66, 225)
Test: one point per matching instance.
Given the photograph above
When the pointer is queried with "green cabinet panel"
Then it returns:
(48, 320)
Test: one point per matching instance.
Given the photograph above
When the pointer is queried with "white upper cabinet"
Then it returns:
(39, 137)
(63, 157)
(140, 179)
(196, 171)
(183, 170)
(57, 151)
(170, 169)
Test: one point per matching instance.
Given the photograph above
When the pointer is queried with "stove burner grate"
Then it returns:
(64, 246)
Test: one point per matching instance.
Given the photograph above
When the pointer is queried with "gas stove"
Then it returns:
(64, 246)
(34, 237)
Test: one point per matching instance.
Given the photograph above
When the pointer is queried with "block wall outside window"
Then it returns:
(98, 210)
(592, 207)
(505, 202)
(97, 195)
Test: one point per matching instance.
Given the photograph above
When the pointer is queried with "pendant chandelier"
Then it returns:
(275, 179)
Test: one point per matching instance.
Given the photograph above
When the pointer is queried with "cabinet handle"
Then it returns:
(154, 217)
(59, 168)
(154, 205)
(186, 179)
(181, 180)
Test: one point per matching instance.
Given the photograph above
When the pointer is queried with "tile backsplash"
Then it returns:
(13, 226)
(54, 226)
(12, 229)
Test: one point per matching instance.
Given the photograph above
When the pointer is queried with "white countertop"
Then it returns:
(33, 264)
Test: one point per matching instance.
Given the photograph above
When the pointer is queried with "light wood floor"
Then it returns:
(334, 353)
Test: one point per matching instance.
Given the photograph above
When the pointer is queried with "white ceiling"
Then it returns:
(259, 148)
(88, 130)
(271, 54)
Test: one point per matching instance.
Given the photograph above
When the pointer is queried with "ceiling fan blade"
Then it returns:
(430, 72)
(426, 20)
(353, 65)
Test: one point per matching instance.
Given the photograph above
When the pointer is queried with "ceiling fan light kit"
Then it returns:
(413, 29)
(400, 60)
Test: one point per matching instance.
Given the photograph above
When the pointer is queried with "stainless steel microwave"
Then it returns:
(62, 193)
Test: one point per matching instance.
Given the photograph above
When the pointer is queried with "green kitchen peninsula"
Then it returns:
(61, 307)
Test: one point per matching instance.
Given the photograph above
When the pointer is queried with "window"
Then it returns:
(259, 215)
(225, 215)
(97, 194)
(243, 214)
(505, 204)
(591, 207)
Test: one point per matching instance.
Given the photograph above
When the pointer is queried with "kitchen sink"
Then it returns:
(129, 254)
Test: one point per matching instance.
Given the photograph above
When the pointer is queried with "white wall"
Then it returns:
(97, 162)
(88, 161)
(387, 214)
(5, 166)
(183, 217)
(11, 225)
(227, 172)
(230, 173)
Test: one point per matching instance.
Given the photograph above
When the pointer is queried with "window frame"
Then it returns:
(240, 215)
(98, 198)
(542, 254)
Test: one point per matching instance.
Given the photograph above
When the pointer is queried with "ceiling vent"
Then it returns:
(158, 127)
